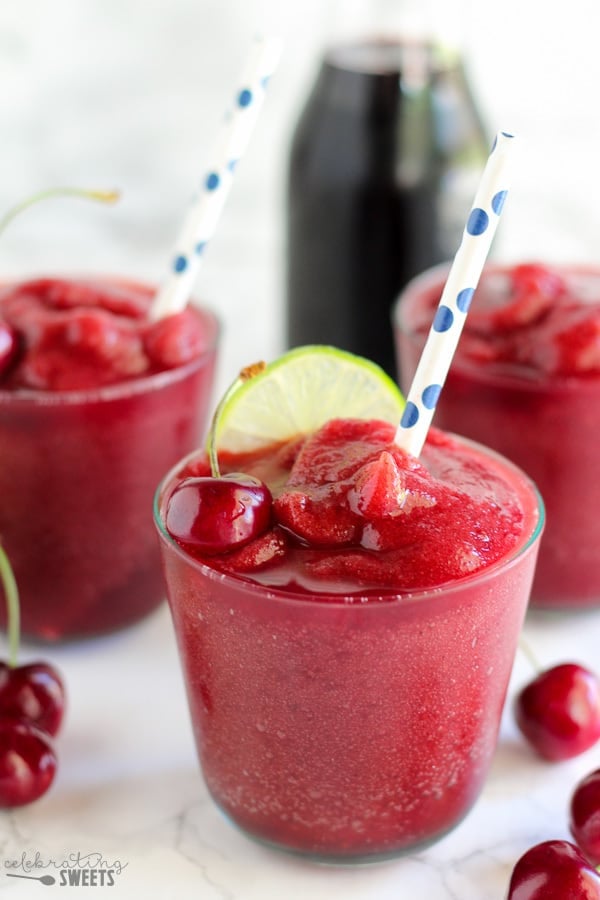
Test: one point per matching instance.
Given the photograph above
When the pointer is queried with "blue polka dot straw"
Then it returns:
(456, 298)
(201, 220)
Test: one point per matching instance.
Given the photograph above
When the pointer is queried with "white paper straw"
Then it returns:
(202, 217)
(456, 298)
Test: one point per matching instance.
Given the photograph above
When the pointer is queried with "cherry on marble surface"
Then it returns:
(30, 696)
(584, 820)
(553, 870)
(34, 693)
(27, 762)
(215, 514)
(559, 711)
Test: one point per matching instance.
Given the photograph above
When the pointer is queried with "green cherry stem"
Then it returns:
(529, 654)
(245, 375)
(7, 578)
(100, 196)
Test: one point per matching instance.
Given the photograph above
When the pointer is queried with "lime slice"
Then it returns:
(302, 390)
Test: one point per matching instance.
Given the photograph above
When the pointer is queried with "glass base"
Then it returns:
(343, 860)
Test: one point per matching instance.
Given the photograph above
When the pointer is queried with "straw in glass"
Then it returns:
(202, 217)
(456, 298)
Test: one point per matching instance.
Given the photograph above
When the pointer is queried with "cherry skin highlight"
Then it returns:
(585, 816)
(559, 712)
(9, 345)
(27, 763)
(553, 870)
(34, 693)
(214, 515)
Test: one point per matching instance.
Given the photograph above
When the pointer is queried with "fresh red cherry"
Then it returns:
(34, 692)
(585, 816)
(559, 712)
(27, 763)
(9, 345)
(554, 870)
(220, 513)
(214, 515)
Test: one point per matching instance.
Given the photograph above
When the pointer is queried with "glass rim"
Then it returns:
(376, 599)
(141, 384)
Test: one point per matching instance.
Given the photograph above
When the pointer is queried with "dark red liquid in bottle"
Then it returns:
(384, 163)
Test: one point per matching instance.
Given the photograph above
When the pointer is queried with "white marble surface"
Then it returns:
(128, 93)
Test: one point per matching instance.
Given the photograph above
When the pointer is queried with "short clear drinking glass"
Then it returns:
(78, 469)
(349, 731)
(537, 403)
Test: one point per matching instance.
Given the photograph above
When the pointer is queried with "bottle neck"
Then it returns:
(354, 75)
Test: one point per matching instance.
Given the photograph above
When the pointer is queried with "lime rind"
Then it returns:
(297, 393)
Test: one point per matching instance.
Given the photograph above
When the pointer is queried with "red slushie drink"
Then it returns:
(525, 380)
(95, 401)
(346, 669)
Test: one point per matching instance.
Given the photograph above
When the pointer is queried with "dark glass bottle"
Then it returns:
(384, 163)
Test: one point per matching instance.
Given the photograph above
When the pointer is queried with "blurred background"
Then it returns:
(129, 94)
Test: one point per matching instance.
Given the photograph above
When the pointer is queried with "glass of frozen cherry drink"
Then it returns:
(347, 615)
(525, 380)
(95, 401)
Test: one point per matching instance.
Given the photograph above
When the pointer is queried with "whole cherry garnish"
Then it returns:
(27, 762)
(31, 710)
(554, 870)
(217, 513)
(559, 711)
(585, 816)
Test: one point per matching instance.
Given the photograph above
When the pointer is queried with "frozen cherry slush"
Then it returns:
(95, 401)
(346, 669)
(526, 381)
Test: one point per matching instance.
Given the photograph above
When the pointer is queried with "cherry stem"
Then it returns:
(11, 593)
(529, 655)
(101, 196)
(248, 372)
